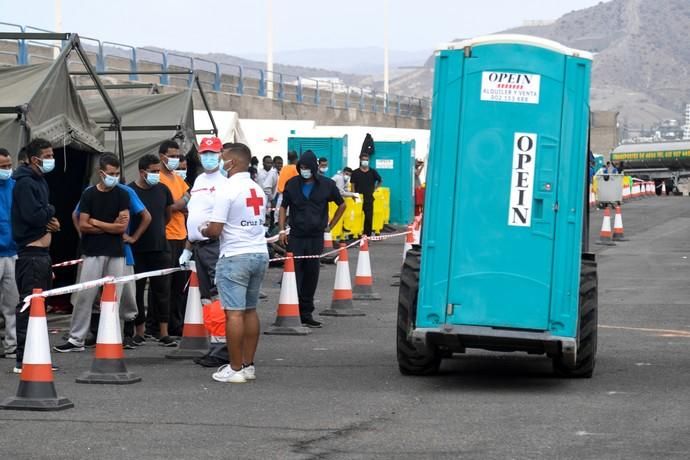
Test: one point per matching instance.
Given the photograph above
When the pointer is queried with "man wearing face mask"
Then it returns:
(204, 251)
(323, 166)
(151, 251)
(365, 181)
(33, 222)
(342, 181)
(103, 219)
(176, 230)
(306, 196)
(8, 252)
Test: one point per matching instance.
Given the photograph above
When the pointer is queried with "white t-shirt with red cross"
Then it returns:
(203, 198)
(241, 206)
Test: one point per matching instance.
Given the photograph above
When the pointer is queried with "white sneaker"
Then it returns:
(249, 372)
(17, 370)
(226, 374)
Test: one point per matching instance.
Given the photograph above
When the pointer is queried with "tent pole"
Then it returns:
(208, 109)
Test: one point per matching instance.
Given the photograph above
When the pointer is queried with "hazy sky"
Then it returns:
(239, 26)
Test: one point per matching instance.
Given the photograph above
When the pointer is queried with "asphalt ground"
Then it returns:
(337, 393)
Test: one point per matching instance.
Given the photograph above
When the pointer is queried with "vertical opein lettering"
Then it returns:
(522, 179)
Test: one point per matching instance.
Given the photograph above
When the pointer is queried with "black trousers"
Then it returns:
(206, 255)
(306, 271)
(368, 210)
(32, 271)
(159, 287)
(178, 283)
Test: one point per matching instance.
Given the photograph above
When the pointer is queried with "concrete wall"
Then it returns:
(604, 132)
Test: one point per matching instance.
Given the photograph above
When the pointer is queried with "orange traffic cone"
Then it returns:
(409, 241)
(618, 234)
(364, 281)
(288, 320)
(108, 365)
(194, 343)
(341, 303)
(36, 389)
(606, 235)
(327, 240)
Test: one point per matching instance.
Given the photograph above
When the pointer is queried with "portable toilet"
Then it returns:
(332, 148)
(503, 254)
(394, 161)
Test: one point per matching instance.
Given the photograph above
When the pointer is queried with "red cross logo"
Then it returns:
(270, 139)
(255, 202)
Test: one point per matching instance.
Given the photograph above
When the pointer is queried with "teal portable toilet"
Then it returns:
(394, 161)
(332, 148)
(503, 265)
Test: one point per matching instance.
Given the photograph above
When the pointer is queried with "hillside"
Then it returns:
(642, 63)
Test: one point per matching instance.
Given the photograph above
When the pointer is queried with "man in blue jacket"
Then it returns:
(8, 252)
(33, 223)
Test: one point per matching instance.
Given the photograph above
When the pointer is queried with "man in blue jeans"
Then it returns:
(238, 219)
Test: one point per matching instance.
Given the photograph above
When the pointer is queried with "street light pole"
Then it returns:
(385, 52)
(269, 49)
(58, 24)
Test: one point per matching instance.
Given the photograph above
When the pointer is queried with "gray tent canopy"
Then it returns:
(147, 121)
(46, 105)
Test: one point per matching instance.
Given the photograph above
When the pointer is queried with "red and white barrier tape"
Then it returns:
(98, 283)
(68, 263)
(166, 271)
(337, 250)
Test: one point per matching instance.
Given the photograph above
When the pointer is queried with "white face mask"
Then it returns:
(306, 173)
(347, 178)
(364, 163)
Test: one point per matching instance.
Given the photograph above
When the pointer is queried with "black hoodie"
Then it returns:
(31, 210)
(309, 216)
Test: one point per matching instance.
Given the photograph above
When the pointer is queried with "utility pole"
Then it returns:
(269, 49)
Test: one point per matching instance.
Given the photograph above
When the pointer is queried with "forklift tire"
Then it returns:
(587, 327)
(410, 360)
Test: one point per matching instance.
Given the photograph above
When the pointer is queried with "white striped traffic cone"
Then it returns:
(341, 303)
(194, 343)
(663, 188)
(288, 320)
(108, 365)
(606, 235)
(364, 280)
(36, 389)
(327, 241)
(618, 233)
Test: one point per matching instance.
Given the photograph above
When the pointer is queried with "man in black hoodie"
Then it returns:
(307, 196)
(33, 223)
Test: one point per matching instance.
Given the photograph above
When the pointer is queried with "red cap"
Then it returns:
(210, 144)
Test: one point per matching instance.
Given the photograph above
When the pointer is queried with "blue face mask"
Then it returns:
(110, 181)
(172, 163)
(323, 170)
(306, 173)
(223, 172)
(47, 165)
(152, 178)
(182, 173)
(5, 174)
(209, 161)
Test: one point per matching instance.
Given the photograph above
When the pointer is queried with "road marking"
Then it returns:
(658, 332)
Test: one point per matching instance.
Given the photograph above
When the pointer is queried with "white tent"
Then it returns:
(228, 124)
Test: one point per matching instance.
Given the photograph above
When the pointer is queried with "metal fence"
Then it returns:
(218, 76)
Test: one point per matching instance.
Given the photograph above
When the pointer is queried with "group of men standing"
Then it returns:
(157, 221)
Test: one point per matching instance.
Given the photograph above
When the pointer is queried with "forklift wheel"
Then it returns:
(587, 327)
(410, 360)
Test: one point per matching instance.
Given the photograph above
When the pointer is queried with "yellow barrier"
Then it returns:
(377, 219)
(385, 194)
(337, 231)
